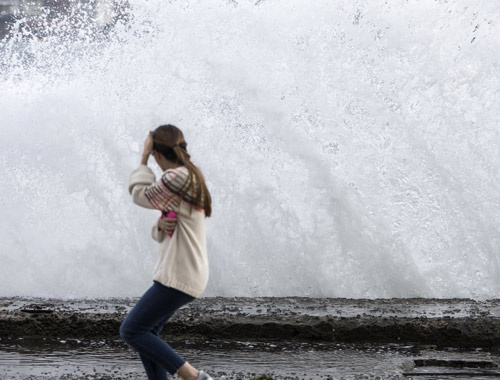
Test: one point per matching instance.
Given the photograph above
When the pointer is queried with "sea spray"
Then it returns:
(351, 147)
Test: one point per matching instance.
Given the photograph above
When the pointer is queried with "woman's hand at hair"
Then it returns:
(167, 225)
(148, 148)
(148, 143)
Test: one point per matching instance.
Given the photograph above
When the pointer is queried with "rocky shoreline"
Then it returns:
(441, 323)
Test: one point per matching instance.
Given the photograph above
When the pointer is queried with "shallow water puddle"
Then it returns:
(112, 359)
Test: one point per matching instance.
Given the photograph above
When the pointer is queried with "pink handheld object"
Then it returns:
(169, 214)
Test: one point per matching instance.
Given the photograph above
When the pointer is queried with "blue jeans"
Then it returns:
(143, 323)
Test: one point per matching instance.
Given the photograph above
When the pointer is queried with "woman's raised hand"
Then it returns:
(148, 144)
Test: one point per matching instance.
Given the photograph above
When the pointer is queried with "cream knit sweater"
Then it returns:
(182, 263)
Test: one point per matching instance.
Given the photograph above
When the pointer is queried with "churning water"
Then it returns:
(352, 148)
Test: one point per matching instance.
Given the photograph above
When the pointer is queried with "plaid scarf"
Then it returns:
(165, 193)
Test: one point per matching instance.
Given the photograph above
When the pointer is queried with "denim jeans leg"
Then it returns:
(153, 369)
(142, 324)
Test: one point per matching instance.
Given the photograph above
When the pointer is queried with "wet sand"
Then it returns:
(459, 323)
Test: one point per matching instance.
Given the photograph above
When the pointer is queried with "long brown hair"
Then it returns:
(169, 141)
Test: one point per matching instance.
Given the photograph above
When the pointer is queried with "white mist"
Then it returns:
(352, 148)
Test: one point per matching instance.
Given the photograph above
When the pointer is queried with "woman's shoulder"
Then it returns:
(180, 171)
(175, 177)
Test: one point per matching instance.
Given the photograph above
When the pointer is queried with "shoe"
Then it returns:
(203, 376)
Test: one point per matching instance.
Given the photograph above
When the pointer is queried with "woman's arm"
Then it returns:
(142, 177)
(149, 193)
(141, 181)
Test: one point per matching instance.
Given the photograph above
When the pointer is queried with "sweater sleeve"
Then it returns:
(149, 193)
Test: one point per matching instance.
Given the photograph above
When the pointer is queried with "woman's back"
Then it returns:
(182, 263)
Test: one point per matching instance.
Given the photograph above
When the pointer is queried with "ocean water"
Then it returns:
(352, 148)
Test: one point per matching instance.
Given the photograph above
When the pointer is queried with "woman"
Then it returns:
(181, 272)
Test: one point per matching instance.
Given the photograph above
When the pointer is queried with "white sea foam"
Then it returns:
(352, 147)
